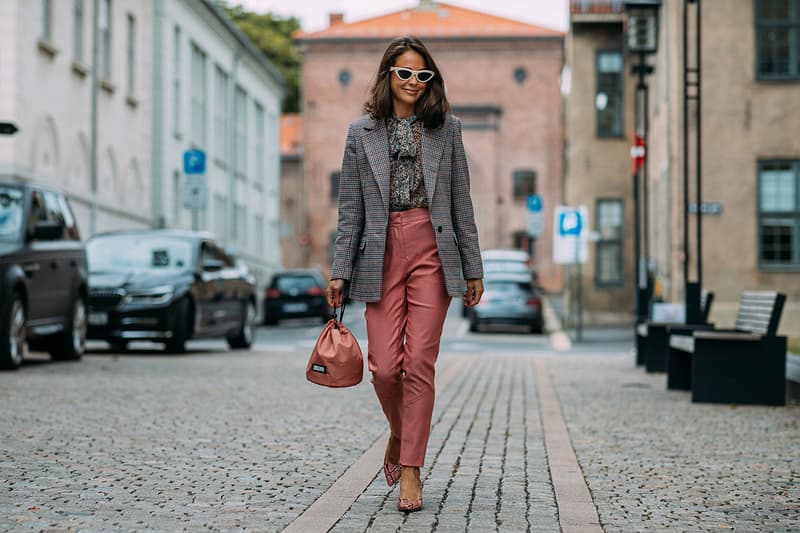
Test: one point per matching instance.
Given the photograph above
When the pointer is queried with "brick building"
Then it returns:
(294, 230)
(503, 81)
(750, 94)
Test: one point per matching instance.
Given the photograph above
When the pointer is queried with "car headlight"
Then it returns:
(153, 296)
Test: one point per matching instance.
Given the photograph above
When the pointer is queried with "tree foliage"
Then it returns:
(273, 36)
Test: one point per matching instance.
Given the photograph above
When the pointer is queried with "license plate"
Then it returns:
(295, 308)
(98, 318)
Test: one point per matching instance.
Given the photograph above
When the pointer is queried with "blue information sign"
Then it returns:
(534, 203)
(570, 222)
(194, 162)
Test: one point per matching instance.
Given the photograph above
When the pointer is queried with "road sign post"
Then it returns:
(571, 247)
(195, 189)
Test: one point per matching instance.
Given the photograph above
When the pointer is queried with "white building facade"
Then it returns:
(213, 91)
(46, 90)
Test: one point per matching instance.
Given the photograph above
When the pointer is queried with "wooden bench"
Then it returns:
(652, 338)
(746, 364)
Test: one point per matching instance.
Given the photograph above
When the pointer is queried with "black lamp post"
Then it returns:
(692, 92)
(642, 38)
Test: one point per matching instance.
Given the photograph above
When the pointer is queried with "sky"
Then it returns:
(313, 14)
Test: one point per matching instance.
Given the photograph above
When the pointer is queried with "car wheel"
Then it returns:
(244, 338)
(474, 326)
(180, 327)
(537, 328)
(70, 345)
(269, 319)
(12, 342)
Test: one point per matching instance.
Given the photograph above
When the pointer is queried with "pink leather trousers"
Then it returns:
(404, 329)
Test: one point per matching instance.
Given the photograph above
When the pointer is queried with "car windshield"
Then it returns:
(11, 210)
(138, 253)
(301, 283)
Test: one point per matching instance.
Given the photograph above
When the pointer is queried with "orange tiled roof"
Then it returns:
(291, 133)
(438, 20)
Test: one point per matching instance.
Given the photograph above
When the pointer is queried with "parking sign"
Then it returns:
(570, 239)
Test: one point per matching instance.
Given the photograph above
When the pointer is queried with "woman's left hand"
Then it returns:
(474, 292)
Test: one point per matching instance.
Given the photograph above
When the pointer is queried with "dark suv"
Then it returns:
(42, 275)
(296, 293)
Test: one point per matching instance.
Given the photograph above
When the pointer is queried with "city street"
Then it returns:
(215, 440)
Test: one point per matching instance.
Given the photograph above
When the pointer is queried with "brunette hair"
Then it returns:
(431, 108)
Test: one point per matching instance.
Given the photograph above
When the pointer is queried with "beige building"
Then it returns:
(503, 80)
(750, 94)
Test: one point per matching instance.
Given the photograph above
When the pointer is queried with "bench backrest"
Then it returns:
(706, 299)
(760, 312)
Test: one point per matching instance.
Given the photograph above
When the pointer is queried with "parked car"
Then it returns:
(506, 261)
(508, 299)
(296, 293)
(42, 275)
(167, 286)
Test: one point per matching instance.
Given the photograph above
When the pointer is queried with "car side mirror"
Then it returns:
(47, 230)
(212, 265)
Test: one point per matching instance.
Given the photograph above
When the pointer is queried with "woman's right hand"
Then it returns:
(335, 292)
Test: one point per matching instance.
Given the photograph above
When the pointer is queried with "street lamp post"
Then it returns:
(642, 37)
(691, 91)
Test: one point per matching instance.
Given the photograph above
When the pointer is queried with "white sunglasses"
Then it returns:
(423, 76)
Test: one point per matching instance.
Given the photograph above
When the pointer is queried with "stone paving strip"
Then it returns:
(654, 461)
(486, 468)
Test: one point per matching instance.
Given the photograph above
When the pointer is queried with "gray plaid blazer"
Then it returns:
(364, 207)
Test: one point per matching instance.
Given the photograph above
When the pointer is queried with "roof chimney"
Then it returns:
(336, 18)
(426, 5)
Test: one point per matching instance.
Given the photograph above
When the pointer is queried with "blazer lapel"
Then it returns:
(376, 146)
(432, 148)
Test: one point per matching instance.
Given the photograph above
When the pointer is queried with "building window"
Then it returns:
(258, 144)
(239, 217)
(520, 75)
(105, 39)
(199, 94)
(240, 130)
(778, 39)
(524, 184)
(608, 98)
(77, 30)
(131, 77)
(176, 82)
(345, 77)
(176, 197)
(221, 110)
(220, 213)
(258, 226)
(335, 178)
(608, 260)
(779, 213)
(47, 20)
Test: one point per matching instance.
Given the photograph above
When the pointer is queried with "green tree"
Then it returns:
(273, 36)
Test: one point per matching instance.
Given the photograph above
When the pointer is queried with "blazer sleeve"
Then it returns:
(351, 213)
(462, 213)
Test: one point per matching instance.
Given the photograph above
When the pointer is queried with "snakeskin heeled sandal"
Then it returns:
(392, 473)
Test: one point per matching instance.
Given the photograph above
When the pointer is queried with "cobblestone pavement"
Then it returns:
(206, 441)
(654, 461)
(486, 468)
(218, 441)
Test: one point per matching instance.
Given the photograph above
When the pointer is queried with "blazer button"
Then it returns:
(439, 229)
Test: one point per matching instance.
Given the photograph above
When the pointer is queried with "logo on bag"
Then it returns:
(319, 368)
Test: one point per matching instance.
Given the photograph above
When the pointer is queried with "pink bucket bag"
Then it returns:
(336, 360)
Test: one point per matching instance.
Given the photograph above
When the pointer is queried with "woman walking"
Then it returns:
(406, 236)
